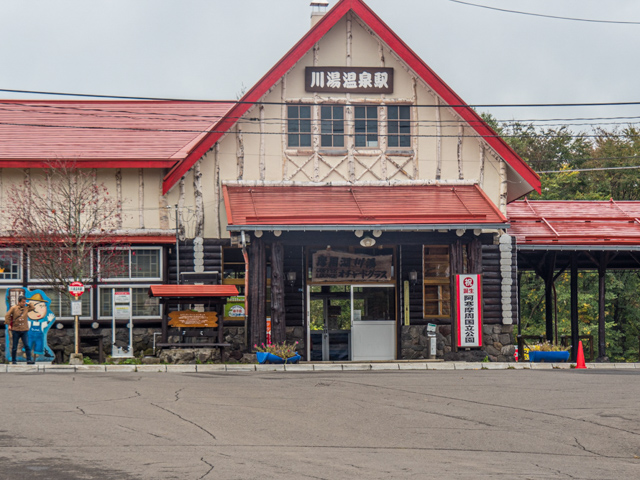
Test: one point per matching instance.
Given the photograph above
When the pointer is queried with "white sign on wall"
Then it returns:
(469, 301)
(123, 311)
(121, 297)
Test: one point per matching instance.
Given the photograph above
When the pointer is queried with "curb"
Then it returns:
(305, 367)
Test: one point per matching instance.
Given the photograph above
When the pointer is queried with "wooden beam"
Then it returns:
(257, 319)
(278, 328)
(575, 333)
(602, 287)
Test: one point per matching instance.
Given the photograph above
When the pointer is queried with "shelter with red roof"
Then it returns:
(351, 195)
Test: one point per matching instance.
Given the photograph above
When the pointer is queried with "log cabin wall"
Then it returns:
(212, 249)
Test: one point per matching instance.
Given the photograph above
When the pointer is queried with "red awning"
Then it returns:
(601, 223)
(402, 205)
(193, 291)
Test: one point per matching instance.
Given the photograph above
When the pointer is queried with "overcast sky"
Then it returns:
(209, 49)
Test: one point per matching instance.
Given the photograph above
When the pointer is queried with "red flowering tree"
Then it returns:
(62, 217)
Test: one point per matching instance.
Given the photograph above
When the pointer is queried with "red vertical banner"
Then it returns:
(268, 330)
(469, 311)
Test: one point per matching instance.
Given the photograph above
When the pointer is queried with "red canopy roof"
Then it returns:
(103, 134)
(549, 222)
(193, 291)
(281, 206)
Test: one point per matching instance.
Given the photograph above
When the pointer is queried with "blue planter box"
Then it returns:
(264, 357)
(548, 357)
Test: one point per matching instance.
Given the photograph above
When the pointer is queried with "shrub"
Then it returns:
(283, 350)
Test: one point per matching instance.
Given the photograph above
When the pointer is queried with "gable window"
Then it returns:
(332, 126)
(133, 263)
(10, 264)
(366, 126)
(299, 125)
(399, 126)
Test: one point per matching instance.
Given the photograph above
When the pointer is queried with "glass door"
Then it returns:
(329, 323)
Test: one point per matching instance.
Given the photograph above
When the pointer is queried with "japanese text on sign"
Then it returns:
(349, 79)
(469, 295)
(332, 266)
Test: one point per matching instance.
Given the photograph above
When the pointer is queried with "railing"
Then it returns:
(565, 341)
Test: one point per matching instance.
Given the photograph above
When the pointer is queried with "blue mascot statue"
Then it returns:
(40, 321)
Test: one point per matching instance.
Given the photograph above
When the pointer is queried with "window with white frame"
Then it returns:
(61, 304)
(135, 263)
(332, 126)
(365, 122)
(299, 125)
(398, 126)
(142, 306)
(10, 264)
(366, 125)
(42, 270)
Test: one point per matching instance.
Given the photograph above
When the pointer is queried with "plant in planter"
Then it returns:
(547, 352)
(277, 353)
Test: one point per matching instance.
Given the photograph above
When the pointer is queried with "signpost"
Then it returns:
(76, 289)
(121, 310)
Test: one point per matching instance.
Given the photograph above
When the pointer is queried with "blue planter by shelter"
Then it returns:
(264, 357)
(548, 356)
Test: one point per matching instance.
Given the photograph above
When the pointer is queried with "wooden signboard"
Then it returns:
(349, 79)
(334, 266)
(191, 319)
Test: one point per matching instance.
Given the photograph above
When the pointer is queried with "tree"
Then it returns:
(62, 216)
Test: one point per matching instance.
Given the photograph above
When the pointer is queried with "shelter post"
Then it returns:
(575, 333)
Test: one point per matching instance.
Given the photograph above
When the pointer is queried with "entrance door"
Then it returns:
(373, 322)
(351, 322)
(330, 323)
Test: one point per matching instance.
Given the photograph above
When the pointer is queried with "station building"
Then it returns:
(351, 196)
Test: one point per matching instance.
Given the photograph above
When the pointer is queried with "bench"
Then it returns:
(94, 340)
(196, 325)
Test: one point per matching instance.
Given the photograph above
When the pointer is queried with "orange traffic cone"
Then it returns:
(580, 358)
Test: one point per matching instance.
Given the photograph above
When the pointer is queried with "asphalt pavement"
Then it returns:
(384, 424)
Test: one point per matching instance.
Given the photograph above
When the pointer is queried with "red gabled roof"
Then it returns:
(103, 134)
(549, 222)
(193, 291)
(282, 206)
(398, 46)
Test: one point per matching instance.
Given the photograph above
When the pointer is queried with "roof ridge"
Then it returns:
(400, 48)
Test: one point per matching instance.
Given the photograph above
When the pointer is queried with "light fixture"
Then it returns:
(359, 233)
(291, 278)
(258, 233)
(59, 326)
(368, 242)
(413, 277)
(377, 233)
(95, 325)
(460, 232)
(277, 233)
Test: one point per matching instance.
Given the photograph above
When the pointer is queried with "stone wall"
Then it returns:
(498, 344)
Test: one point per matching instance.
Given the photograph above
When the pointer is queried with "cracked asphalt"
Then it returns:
(511, 424)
